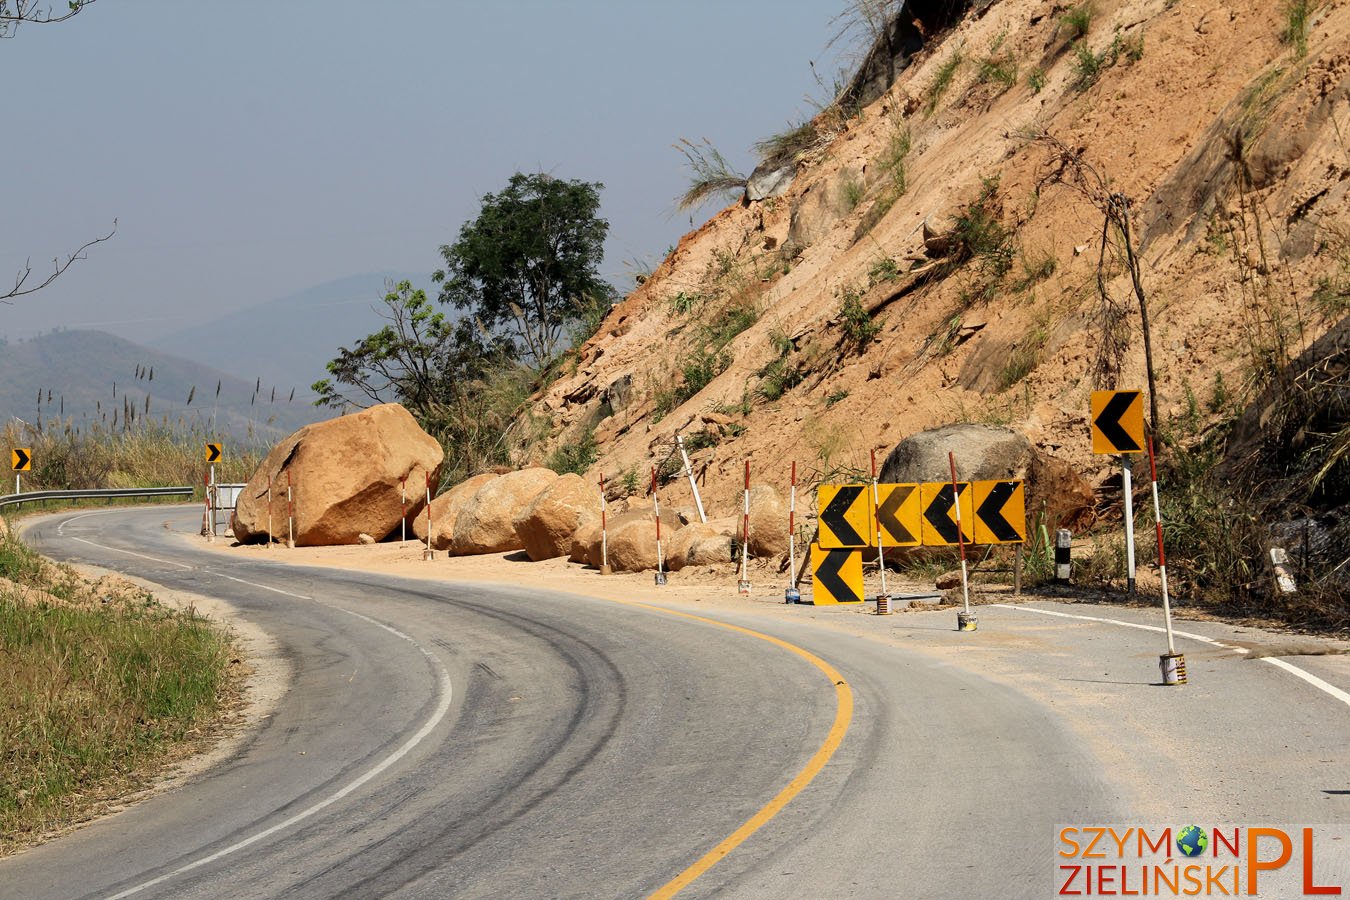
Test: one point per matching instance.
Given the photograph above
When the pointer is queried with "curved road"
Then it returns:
(446, 740)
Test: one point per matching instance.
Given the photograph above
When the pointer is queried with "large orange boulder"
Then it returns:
(698, 544)
(486, 521)
(345, 476)
(768, 522)
(546, 526)
(632, 540)
(445, 510)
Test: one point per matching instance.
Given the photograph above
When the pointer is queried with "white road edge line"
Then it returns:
(443, 707)
(1292, 669)
(444, 687)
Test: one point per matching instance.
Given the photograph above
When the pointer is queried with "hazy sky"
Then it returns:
(250, 150)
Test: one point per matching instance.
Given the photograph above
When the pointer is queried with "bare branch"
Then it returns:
(21, 286)
(15, 13)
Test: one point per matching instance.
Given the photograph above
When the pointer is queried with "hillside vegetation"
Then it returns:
(970, 242)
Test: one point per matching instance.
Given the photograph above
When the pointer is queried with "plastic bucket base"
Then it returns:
(884, 605)
(742, 587)
(792, 595)
(428, 554)
(1173, 668)
(967, 621)
(660, 578)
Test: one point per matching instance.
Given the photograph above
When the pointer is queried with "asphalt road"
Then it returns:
(447, 740)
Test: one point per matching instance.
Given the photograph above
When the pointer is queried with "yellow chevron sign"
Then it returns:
(845, 516)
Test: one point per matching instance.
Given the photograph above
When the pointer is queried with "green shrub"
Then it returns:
(943, 79)
(1078, 20)
(1295, 32)
(857, 324)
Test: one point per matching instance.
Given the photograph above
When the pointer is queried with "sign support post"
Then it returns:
(290, 514)
(743, 586)
(965, 620)
(689, 473)
(604, 530)
(403, 498)
(884, 598)
(1172, 663)
(792, 595)
(269, 511)
(1127, 487)
(656, 510)
(429, 553)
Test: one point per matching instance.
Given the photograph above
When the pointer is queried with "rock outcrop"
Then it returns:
(768, 522)
(486, 522)
(345, 477)
(632, 540)
(546, 526)
(445, 510)
(993, 453)
(698, 544)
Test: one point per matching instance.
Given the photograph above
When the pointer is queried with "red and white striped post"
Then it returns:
(207, 530)
(604, 530)
(428, 553)
(1172, 664)
(792, 595)
(965, 620)
(290, 513)
(403, 498)
(884, 598)
(656, 509)
(743, 586)
(269, 510)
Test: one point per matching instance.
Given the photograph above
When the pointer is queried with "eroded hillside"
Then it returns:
(938, 255)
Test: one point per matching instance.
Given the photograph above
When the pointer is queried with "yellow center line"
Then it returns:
(842, 716)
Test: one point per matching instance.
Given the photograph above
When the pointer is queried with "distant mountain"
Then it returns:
(289, 341)
(88, 377)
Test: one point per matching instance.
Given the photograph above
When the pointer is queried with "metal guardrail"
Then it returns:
(98, 494)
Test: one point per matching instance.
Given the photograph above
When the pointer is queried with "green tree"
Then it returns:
(420, 359)
(527, 266)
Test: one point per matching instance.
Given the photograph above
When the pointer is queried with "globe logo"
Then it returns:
(1192, 840)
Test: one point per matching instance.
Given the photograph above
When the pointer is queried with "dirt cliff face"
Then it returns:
(939, 255)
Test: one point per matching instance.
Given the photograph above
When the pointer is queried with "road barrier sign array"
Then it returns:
(899, 513)
(912, 515)
(845, 516)
(1000, 512)
(939, 513)
(1117, 421)
(837, 575)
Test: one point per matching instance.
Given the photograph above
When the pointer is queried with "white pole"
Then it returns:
(213, 498)
(960, 533)
(1162, 557)
(744, 585)
(689, 473)
(269, 512)
(881, 549)
(792, 527)
(1127, 483)
(604, 528)
(403, 499)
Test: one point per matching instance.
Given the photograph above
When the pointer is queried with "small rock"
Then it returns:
(948, 580)
(364, 538)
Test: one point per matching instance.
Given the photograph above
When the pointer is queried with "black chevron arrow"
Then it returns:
(832, 516)
(21, 459)
(939, 516)
(991, 512)
(886, 517)
(212, 452)
(830, 579)
(1108, 422)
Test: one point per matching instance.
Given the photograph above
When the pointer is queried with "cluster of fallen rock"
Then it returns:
(364, 477)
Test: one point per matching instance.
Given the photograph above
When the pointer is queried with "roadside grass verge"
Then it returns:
(98, 682)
